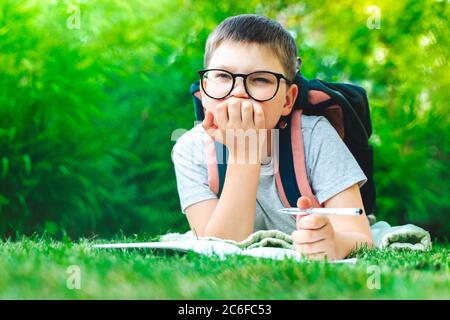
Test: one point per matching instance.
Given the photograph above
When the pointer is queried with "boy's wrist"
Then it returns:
(244, 157)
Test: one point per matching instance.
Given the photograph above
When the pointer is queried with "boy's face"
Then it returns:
(246, 58)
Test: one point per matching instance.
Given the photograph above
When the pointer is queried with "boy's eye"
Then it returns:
(223, 76)
(262, 80)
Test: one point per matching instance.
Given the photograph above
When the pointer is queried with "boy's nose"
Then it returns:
(239, 89)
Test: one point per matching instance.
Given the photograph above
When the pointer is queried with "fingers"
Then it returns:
(304, 203)
(317, 256)
(309, 248)
(312, 222)
(260, 121)
(234, 112)
(208, 121)
(221, 115)
(307, 236)
(304, 244)
(315, 243)
(247, 114)
(238, 114)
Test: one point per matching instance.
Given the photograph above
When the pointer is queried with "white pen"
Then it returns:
(332, 211)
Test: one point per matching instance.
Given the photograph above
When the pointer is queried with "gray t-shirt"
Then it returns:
(331, 168)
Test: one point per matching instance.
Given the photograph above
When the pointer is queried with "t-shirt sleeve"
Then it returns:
(333, 167)
(191, 171)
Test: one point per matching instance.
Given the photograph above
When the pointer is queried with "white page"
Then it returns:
(206, 247)
(281, 253)
(273, 253)
(210, 247)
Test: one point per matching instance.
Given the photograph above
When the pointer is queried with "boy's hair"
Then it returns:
(252, 28)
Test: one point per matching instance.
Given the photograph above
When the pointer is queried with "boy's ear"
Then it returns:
(198, 94)
(291, 96)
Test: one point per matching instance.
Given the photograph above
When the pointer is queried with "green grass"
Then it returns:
(33, 268)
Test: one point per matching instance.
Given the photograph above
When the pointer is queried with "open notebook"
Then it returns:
(218, 248)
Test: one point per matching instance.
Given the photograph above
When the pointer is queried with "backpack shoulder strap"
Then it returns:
(216, 162)
(298, 156)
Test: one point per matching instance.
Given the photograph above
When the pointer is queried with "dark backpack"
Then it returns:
(344, 105)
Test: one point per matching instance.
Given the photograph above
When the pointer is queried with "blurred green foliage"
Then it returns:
(88, 106)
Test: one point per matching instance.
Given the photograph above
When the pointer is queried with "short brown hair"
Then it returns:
(253, 28)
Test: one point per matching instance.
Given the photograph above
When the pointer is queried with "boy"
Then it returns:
(247, 85)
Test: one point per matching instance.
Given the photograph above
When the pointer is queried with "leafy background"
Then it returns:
(89, 115)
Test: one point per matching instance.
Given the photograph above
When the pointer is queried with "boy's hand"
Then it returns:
(233, 120)
(314, 236)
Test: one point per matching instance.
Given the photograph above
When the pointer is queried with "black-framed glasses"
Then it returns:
(259, 85)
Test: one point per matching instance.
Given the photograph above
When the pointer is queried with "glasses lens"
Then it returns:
(217, 83)
(262, 85)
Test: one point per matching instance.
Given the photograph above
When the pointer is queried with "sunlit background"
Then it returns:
(91, 93)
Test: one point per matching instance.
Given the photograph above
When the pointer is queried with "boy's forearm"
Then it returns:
(234, 215)
(345, 242)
